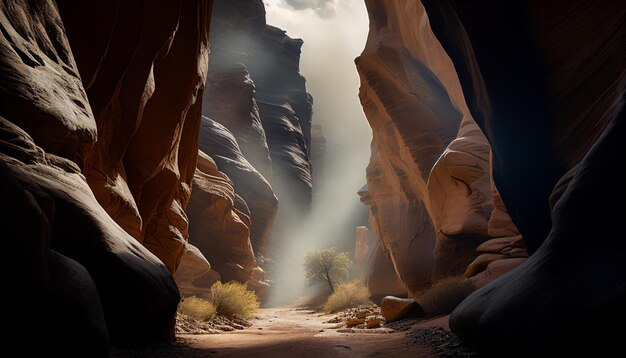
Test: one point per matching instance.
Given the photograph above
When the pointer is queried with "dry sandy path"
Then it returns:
(288, 332)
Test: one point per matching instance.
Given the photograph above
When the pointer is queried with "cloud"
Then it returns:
(325, 9)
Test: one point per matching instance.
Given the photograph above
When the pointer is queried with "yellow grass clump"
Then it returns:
(348, 295)
(233, 299)
(443, 297)
(197, 308)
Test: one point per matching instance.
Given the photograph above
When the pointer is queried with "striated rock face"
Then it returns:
(220, 230)
(429, 185)
(41, 88)
(75, 242)
(248, 182)
(98, 144)
(557, 117)
(240, 35)
(551, 109)
(143, 68)
(230, 100)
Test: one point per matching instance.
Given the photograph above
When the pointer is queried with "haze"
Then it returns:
(334, 34)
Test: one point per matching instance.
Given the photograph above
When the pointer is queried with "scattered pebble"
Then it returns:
(190, 325)
(441, 341)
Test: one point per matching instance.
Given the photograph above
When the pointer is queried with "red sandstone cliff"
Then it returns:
(100, 104)
(429, 190)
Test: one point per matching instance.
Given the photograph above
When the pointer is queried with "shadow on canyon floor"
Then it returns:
(291, 332)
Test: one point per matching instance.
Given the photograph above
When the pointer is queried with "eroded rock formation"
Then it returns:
(429, 187)
(249, 183)
(240, 35)
(230, 100)
(551, 109)
(100, 110)
(220, 230)
(144, 68)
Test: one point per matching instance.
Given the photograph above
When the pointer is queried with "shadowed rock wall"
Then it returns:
(429, 187)
(546, 83)
(240, 35)
(100, 112)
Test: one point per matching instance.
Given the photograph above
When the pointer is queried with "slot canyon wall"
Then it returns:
(100, 107)
(432, 201)
(257, 128)
(546, 83)
(439, 91)
(104, 142)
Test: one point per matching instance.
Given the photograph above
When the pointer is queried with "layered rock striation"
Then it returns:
(553, 113)
(143, 68)
(251, 186)
(429, 187)
(100, 112)
(220, 227)
(240, 35)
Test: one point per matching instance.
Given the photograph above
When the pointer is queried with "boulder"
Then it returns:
(570, 297)
(394, 308)
(354, 322)
(374, 323)
(52, 291)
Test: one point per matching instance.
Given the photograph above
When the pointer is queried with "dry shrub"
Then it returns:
(197, 308)
(443, 297)
(348, 295)
(233, 299)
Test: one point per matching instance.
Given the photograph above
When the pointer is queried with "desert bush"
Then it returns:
(347, 295)
(197, 308)
(233, 299)
(443, 297)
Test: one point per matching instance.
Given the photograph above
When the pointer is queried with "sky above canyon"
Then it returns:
(334, 34)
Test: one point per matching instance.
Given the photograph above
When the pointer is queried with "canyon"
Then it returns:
(431, 197)
(152, 148)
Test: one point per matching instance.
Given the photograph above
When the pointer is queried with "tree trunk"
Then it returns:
(330, 283)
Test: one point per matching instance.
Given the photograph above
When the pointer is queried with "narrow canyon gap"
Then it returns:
(152, 148)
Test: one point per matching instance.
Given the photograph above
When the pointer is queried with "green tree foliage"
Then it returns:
(327, 267)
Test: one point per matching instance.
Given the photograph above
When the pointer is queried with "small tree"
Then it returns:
(327, 267)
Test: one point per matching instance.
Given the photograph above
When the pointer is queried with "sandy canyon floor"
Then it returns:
(291, 332)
